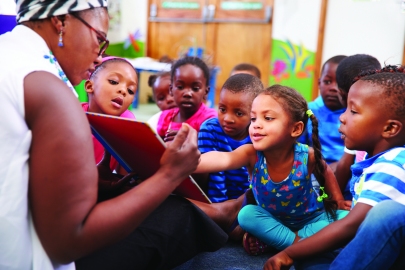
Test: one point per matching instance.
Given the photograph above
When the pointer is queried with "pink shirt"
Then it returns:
(166, 119)
(98, 147)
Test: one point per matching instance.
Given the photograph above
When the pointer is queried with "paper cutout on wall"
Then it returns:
(132, 40)
(292, 65)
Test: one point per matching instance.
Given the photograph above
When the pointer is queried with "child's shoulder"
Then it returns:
(212, 123)
(395, 155)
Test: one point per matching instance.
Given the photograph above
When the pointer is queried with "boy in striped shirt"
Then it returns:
(229, 131)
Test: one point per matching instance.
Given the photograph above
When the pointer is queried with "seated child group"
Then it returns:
(290, 158)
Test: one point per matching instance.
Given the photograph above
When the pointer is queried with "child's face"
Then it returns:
(161, 93)
(189, 87)
(363, 121)
(270, 124)
(112, 89)
(234, 113)
(328, 87)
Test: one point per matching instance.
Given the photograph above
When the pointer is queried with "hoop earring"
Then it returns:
(60, 43)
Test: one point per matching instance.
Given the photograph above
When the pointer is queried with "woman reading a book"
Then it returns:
(49, 212)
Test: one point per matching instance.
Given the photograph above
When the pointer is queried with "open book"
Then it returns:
(137, 148)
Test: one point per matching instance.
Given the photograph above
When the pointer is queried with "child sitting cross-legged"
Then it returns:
(189, 88)
(288, 208)
(160, 84)
(327, 109)
(111, 89)
(227, 132)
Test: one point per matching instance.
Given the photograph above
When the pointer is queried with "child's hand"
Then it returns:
(170, 135)
(279, 261)
(344, 205)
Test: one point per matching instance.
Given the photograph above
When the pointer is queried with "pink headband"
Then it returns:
(108, 58)
(113, 57)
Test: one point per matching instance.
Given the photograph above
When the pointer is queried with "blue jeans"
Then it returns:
(378, 244)
(278, 234)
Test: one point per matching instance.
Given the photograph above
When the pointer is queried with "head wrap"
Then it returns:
(28, 10)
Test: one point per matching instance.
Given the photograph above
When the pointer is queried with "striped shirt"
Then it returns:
(329, 136)
(225, 185)
(379, 178)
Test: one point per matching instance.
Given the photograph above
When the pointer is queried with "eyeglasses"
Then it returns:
(103, 41)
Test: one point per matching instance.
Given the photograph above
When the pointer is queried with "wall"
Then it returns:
(294, 44)
(372, 27)
(128, 28)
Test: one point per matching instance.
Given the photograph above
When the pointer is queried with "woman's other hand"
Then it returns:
(182, 155)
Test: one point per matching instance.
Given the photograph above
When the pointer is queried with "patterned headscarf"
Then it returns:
(28, 10)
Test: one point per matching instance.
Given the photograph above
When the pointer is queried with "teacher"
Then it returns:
(49, 215)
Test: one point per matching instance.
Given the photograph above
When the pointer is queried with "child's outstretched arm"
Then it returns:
(216, 161)
(333, 236)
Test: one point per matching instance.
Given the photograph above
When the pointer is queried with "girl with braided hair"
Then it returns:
(288, 208)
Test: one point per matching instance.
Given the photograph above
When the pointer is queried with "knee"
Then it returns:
(387, 210)
(246, 216)
(386, 215)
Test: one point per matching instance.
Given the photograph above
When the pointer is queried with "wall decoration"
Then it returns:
(294, 44)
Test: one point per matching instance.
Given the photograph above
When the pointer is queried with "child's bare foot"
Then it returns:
(236, 234)
(254, 246)
(225, 213)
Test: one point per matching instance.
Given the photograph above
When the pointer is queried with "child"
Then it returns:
(375, 107)
(327, 109)
(189, 87)
(347, 70)
(229, 131)
(287, 207)
(247, 69)
(111, 89)
(160, 84)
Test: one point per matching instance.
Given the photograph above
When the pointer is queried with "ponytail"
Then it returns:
(329, 204)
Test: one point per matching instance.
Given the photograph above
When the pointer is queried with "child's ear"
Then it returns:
(392, 128)
(207, 90)
(88, 86)
(297, 129)
(171, 89)
(319, 82)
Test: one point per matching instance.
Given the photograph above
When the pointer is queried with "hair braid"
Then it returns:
(319, 170)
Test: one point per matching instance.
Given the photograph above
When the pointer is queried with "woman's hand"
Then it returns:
(107, 181)
(182, 156)
(279, 261)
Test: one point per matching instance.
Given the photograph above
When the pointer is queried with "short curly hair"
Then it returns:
(392, 80)
(352, 66)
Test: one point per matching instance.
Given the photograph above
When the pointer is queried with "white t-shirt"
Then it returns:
(22, 52)
(154, 120)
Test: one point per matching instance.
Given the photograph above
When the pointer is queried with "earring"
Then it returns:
(60, 43)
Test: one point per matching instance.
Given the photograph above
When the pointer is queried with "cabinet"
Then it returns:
(229, 31)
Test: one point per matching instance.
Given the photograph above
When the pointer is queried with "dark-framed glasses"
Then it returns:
(103, 41)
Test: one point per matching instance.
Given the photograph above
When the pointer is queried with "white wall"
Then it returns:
(133, 16)
(291, 17)
(7, 7)
(371, 27)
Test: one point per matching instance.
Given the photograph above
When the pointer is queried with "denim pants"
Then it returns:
(378, 244)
